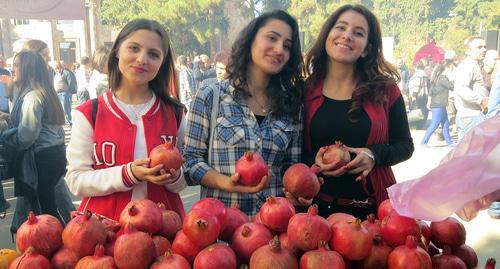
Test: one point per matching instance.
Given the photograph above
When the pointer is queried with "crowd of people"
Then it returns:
(262, 95)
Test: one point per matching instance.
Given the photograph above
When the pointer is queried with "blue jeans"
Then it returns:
(439, 117)
(65, 99)
(465, 124)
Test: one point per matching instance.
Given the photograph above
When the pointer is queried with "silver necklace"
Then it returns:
(136, 110)
(263, 109)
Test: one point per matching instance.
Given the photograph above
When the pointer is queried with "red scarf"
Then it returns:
(381, 176)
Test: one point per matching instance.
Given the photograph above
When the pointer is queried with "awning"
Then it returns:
(430, 50)
(43, 9)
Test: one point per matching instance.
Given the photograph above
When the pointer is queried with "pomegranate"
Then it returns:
(490, 263)
(109, 224)
(409, 256)
(183, 246)
(339, 217)
(322, 258)
(234, 219)
(384, 209)
(98, 261)
(305, 230)
(134, 249)
(395, 228)
(171, 222)
(336, 153)
(249, 237)
(64, 259)
(42, 232)
(161, 245)
(447, 260)
(256, 218)
(216, 256)
(213, 206)
(109, 248)
(302, 181)
(166, 154)
(467, 255)
(351, 240)
(251, 168)
(273, 256)
(378, 255)
(83, 233)
(171, 260)
(275, 213)
(425, 229)
(285, 243)
(144, 215)
(447, 232)
(372, 225)
(30, 260)
(202, 227)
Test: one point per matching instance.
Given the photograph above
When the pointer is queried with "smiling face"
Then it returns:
(270, 50)
(139, 58)
(347, 40)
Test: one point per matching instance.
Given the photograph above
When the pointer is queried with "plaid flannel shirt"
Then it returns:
(277, 139)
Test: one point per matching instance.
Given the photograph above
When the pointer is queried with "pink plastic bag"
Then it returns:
(466, 181)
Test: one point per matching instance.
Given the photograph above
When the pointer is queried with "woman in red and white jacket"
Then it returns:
(108, 161)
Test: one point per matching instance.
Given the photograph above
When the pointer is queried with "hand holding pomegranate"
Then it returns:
(332, 159)
(236, 186)
(156, 174)
(362, 164)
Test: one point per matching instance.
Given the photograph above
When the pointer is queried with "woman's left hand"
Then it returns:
(362, 164)
(172, 176)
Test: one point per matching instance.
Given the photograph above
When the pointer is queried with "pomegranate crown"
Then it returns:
(249, 155)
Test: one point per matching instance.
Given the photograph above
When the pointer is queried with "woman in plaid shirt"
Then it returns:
(259, 109)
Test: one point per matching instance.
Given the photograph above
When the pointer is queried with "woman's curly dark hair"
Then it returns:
(285, 88)
(373, 73)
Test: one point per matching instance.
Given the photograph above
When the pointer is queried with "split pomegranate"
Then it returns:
(161, 245)
(216, 256)
(30, 260)
(83, 233)
(351, 240)
(134, 249)
(396, 228)
(447, 232)
(447, 260)
(305, 230)
(384, 209)
(409, 256)
(64, 259)
(249, 237)
(213, 206)
(302, 181)
(202, 227)
(378, 255)
(170, 261)
(372, 225)
(42, 232)
(275, 213)
(251, 168)
(273, 256)
(171, 222)
(321, 258)
(338, 217)
(98, 261)
(336, 153)
(183, 246)
(234, 219)
(144, 215)
(168, 155)
(467, 255)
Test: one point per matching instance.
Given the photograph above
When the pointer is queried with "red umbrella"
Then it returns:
(430, 50)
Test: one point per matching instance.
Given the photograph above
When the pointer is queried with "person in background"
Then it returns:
(491, 64)
(202, 69)
(419, 87)
(259, 109)
(82, 75)
(4, 116)
(98, 81)
(109, 167)
(65, 85)
(221, 60)
(187, 83)
(349, 78)
(405, 78)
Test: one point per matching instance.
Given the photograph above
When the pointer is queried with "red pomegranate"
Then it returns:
(134, 249)
(30, 260)
(447, 232)
(378, 255)
(305, 230)
(171, 222)
(249, 237)
(251, 168)
(276, 212)
(256, 218)
(467, 255)
(202, 227)
(302, 181)
(409, 256)
(395, 228)
(64, 259)
(183, 246)
(339, 217)
(285, 243)
(336, 153)
(109, 248)
(161, 245)
(42, 232)
(234, 219)
(213, 206)
(351, 240)
(98, 261)
(490, 263)
(384, 209)
(83, 233)
(273, 256)
(170, 261)
(447, 260)
(166, 154)
(216, 256)
(321, 258)
(109, 224)
(372, 225)
(144, 215)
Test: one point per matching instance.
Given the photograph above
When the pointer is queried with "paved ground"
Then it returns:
(483, 233)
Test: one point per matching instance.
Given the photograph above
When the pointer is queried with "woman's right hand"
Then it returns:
(330, 169)
(141, 171)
